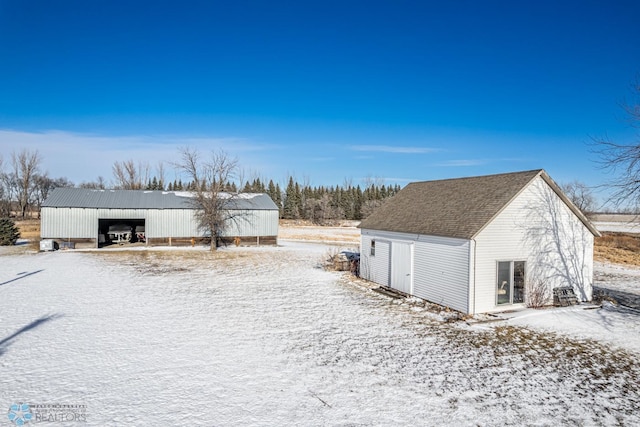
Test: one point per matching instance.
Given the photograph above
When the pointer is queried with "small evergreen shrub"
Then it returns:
(9, 233)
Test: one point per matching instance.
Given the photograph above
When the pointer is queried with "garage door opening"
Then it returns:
(121, 232)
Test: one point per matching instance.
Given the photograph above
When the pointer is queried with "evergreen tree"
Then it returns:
(383, 192)
(278, 199)
(274, 193)
(291, 208)
(357, 208)
(9, 233)
(306, 196)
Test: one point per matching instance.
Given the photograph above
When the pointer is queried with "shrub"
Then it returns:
(537, 294)
(9, 233)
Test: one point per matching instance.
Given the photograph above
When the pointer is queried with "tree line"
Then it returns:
(24, 187)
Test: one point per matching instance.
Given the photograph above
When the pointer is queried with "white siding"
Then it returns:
(536, 227)
(375, 268)
(441, 272)
(440, 265)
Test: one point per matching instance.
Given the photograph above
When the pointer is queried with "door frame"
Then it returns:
(409, 264)
(511, 283)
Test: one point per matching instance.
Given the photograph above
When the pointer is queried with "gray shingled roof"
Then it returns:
(459, 207)
(137, 199)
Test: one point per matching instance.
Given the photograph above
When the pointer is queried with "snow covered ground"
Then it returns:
(263, 337)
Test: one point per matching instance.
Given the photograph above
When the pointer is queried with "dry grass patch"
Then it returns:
(159, 261)
(29, 229)
(595, 361)
(172, 255)
(619, 248)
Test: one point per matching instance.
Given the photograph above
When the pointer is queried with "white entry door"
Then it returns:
(401, 254)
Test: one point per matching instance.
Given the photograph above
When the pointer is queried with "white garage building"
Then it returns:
(479, 244)
(167, 218)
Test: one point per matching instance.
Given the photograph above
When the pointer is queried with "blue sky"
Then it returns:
(327, 91)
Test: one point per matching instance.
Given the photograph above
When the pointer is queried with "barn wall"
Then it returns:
(171, 223)
(82, 223)
(538, 228)
(245, 223)
(64, 223)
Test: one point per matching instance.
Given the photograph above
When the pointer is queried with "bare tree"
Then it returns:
(43, 185)
(129, 176)
(581, 196)
(623, 160)
(373, 182)
(209, 177)
(25, 167)
(7, 191)
(98, 184)
(369, 206)
(5, 201)
(160, 173)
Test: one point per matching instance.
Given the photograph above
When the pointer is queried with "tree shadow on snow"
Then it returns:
(625, 299)
(6, 342)
(562, 246)
(21, 276)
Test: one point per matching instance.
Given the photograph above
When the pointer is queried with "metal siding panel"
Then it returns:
(46, 222)
(249, 223)
(121, 213)
(159, 223)
(172, 223)
(65, 223)
(239, 223)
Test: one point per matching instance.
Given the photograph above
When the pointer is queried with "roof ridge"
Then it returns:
(537, 171)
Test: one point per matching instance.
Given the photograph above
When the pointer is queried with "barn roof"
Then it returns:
(459, 207)
(139, 199)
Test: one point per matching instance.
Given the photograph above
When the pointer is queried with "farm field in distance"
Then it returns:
(265, 336)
